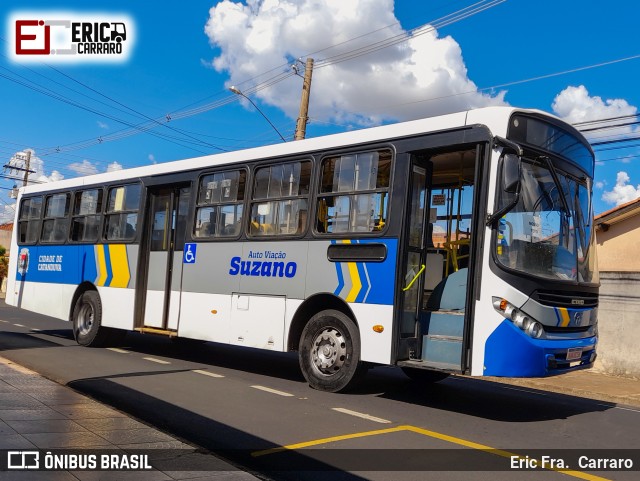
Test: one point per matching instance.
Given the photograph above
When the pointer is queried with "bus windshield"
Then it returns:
(538, 237)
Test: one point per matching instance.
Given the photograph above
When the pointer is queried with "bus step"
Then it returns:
(156, 330)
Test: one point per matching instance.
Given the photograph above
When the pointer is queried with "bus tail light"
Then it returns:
(532, 327)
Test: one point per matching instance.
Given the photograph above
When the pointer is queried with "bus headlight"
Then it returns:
(521, 320)
(532, 327)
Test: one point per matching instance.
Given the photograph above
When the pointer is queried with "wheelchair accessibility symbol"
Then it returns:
(189, 254)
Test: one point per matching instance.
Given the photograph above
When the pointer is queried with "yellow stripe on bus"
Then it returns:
(356, 284)
(102, 265)
(119, 265)
(566, 319)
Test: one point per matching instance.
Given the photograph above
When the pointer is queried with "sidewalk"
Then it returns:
(36, 413)
(587, 383)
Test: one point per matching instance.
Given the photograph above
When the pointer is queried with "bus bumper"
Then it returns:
(509, 352)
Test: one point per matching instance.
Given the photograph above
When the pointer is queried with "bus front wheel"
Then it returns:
(87, 320)
(330, 352)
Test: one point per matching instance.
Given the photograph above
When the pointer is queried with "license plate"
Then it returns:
(574, 353)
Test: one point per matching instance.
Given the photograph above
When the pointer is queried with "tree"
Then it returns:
(4, 263)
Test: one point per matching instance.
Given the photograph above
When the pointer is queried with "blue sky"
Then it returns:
(171, 72)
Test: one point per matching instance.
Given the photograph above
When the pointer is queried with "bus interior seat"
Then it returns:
(450, 294)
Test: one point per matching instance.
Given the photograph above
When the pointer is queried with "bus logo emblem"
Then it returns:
(577, 302)
(23, 261)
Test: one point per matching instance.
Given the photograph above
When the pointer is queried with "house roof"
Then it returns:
(617, 214)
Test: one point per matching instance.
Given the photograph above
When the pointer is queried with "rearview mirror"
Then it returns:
(511, 166)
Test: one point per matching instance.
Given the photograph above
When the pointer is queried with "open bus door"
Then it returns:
(435, 320)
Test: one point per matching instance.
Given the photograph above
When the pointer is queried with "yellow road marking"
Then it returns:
(332, 439)
(424, 432)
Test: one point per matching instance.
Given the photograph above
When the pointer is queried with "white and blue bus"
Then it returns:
(455, 244)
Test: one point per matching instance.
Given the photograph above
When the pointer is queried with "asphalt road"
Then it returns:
(247, 405)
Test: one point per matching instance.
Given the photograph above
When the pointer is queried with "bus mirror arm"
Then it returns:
(512, 167)
(497, 140)
(492, 218)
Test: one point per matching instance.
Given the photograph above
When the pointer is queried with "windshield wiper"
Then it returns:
(556, 180)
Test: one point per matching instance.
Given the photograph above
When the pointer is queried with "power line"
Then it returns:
(134, 110)
(35, 87)
(621, 117)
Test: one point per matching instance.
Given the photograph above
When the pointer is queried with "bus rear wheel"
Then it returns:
(87, 321)
(330, 352)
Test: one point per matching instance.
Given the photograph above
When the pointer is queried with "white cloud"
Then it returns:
(113, 166)
(7, 213)
(255, 37)
(574, 104)
(36, 167)
(83, 168)
(152, 158)
(55, 176)
(622, 192)
(599, 185)
(102, 125)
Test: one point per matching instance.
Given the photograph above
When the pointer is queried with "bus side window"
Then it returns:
(354, 193)
(56, 219)
(219, 205)
(279, 203)
(121, 217)
(87, 215)
(29, 220)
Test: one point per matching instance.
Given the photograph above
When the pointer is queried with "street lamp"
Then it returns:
(237, 91)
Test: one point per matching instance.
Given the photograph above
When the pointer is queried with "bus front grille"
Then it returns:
(574, 300)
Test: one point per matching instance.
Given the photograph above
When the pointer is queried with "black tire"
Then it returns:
(424, 375)
(330, 352)
(87, 321)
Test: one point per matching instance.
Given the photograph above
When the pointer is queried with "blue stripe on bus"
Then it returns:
(381, 275)
(338, 266)
(107, 258)
(363, 280)
(87, 261)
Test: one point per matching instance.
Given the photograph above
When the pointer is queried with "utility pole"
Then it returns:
(26, 168)
(303, 118)
(12, 168)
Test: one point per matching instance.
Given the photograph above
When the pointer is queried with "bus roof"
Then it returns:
(495, 118)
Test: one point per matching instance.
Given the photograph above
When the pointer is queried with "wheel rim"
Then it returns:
(329, 351)
(85, 319)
